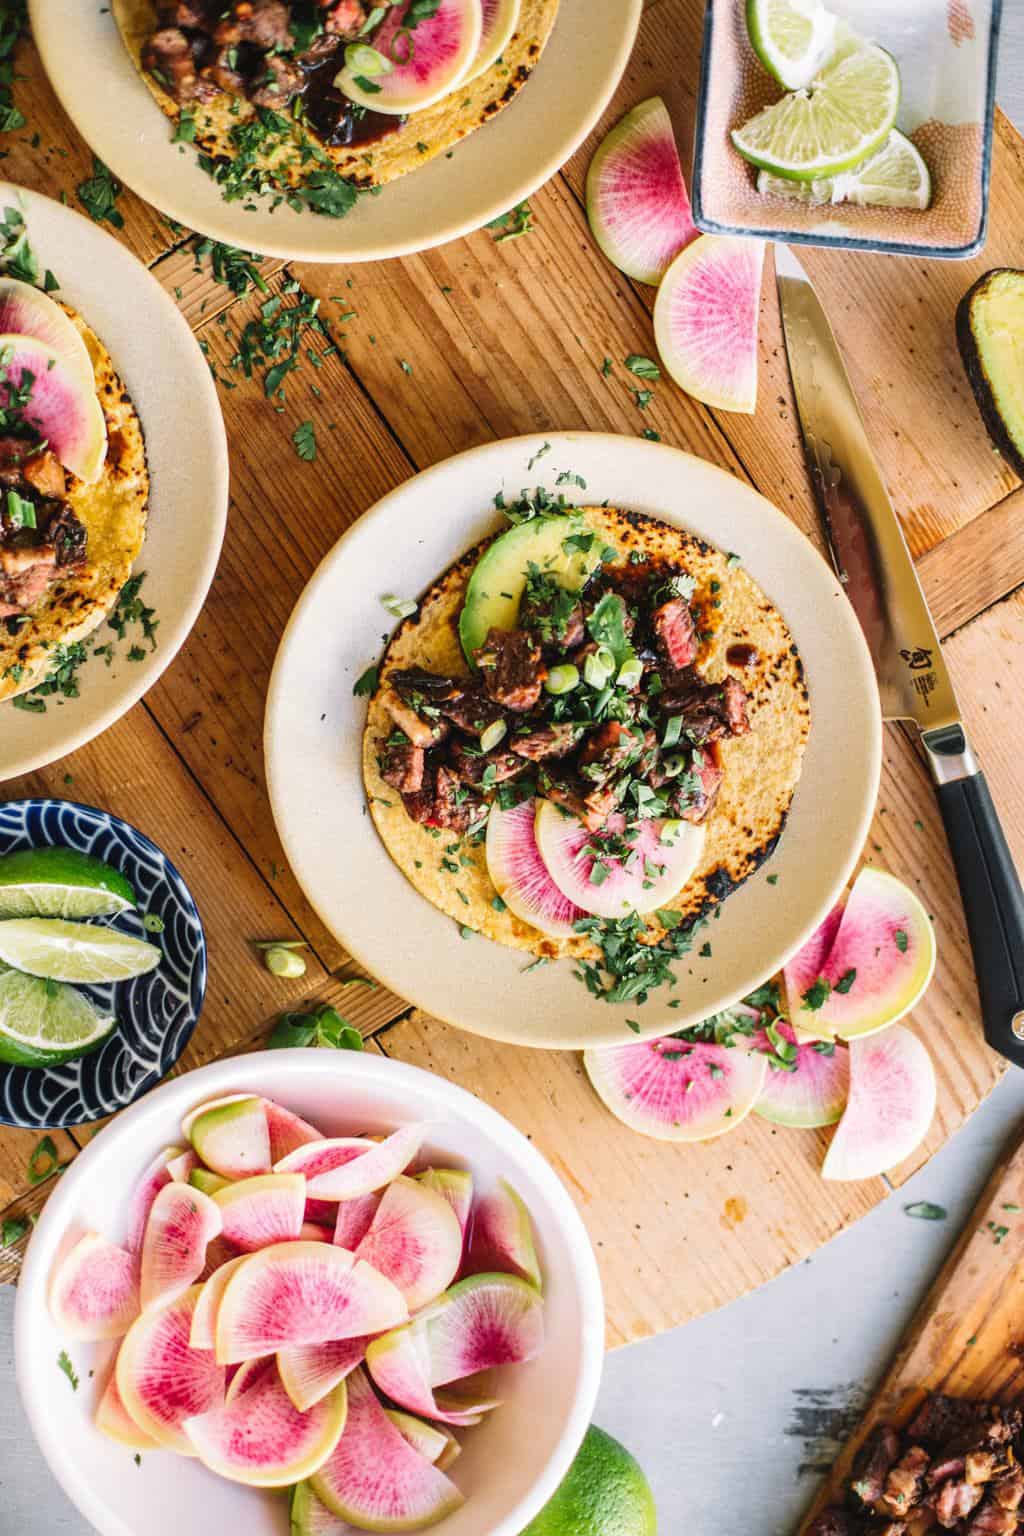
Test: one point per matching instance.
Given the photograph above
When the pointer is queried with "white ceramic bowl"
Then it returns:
(511, 1464)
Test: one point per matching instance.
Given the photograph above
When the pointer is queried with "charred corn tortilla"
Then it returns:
(761, 769)
(425, 135)
(113, 512)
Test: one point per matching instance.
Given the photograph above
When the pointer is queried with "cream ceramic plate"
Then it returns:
(314, 727)
(490, 172)
(168, 379)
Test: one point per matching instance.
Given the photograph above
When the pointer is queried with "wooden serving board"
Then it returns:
(967, 1338)
(479, 340)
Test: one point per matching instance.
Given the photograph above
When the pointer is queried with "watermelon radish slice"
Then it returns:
(182, 1167)
(308, 1517)
(891, 1104)
(203, 1334)
(804, 969)
(880, 963)
(498, 22)
(675, 1089)
(309, 1371)
(519, 874)
(637, 203)
(427, 63)
(706, 320)
(161, 1380)
(181, 1224)
(814, 1093)
(28, 311)
(374, 1478)
(353, 1220)
(287, 1131)
(313, 1232)
(190, 1119)
(114, 1420)
(149, 1186)
(456, 1185)
(415, 1240)
(267, 1209)
(372, 1169)
(232, 1137)
(431, 1442)
(242, 1377)
(94, 1291)
(302, 1293)
(209, 1183)
(323, 1156)
(400, 1364)
(261, 1439)
(656, 870)
(60, 407)
(502, 1237)
(483, 1322)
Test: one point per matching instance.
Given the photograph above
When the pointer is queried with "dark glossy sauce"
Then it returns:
(741, 655)
(338, 121)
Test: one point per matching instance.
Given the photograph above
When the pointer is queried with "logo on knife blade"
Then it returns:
(919, 659)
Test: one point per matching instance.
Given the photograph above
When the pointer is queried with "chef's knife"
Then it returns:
(874, 565)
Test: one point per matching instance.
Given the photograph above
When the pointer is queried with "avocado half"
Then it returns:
(990, 331)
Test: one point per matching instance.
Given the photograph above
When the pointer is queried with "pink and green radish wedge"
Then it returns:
(149, 1186)
(333, 1171)
(67, 416)
(27, 311)
(706, 320)
(664, 856)
(309, 1371)
(497, 24)
(307, 1516)
(439, 1446)
(521, 877)
(268, 1208)
(803, 970)
(353, 1219)
(182, 1223)
(806, 1086)
(258, 1437)
(456, 1185)
(637, 202)
(287, 1131)
(415, 1240)
(162, 1380)
(375, 1478)
(413, 70)
(94, 1292)
(114, 1420)
(502, 1237)
(230, 1136)
(678, 1090)
(203, 1333)
(890, 1107)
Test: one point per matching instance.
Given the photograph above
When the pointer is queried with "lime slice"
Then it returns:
(46, 946)
(845, 116)
(43, 1022)
(895, 177)
(60, 882)
(792, 38)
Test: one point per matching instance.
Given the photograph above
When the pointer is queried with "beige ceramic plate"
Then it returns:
(314, 727)
(495, 168)
(169, 382)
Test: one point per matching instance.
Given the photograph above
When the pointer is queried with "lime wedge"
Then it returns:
(895, 177)
(792, 38)
(46, 946)
(841, 119)
(60, 882)
(43, 1022)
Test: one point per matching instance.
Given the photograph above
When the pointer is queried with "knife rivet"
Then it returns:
(1017, 1025)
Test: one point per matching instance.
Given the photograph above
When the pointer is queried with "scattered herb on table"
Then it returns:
(643, 398)
(998, 1232)
(925, 1210)
(236, 269)
(510, 226)
(304, 438)
(44, 1160)
(643, 367)
(12, 1231)
(98, 195)
(13, 23)
(281, 957)
(324, 1027)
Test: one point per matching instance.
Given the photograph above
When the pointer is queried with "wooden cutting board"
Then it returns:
(967, 1338)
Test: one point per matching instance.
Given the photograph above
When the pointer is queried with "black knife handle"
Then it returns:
(994, 908)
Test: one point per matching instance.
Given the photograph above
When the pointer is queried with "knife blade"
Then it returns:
(871, 558)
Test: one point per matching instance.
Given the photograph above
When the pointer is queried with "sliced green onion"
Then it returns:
(374, 19)
(21, 513)
(630, 673)
(674, 764)
(361, 59)
(562, 679)
(284, 962)
(494, 733)
(670, 831)
(673, 731)
(401, 607)
(599, 666)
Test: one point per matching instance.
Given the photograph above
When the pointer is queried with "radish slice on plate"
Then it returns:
(808, 1087)
(426, 60)
(705, 320)
(637, 202)
(499, 19)
(61, 406)
(664, 856)
(678, 1090)
(520, 876)
(891, 1104)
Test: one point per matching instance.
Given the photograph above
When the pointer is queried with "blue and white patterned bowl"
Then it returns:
(156, 1013)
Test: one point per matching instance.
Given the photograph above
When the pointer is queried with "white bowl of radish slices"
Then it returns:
(262, 1299)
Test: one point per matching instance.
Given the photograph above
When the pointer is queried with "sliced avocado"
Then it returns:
(496, 586)
(990, 330)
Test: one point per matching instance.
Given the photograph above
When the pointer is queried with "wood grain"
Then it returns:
(965, 1338)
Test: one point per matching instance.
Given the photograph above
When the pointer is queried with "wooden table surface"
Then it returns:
(484, 339)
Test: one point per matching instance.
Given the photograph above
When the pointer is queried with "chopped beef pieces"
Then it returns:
(401, 765)
(979, 1466)
(709, 711)
(278, 81)
(471, 710)
(512, 668)
(223, 70)
(694, 795)
(486, 768)
(552, 613)
(416, 684)
(954, 1501)
(31, 558)
(555, 740)
(343, 19)
(593, 809)
(454, 806)
(421, 732)
(992, 1520)
(169, 55)
(192, 14)
(38, 468)
(1008, 1489)
(25, 574)
(266, 23)
(674, 633)
(608, 750)
(904, 1484)
(871, 1468)
(835, 1521)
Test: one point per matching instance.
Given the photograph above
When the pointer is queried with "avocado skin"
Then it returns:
(972, 350)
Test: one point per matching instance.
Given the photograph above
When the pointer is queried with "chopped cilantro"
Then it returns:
(12, 1231)
(64, 1364)
(366, 683)
(900, 938)
(304, 438)
(98, 195)
(643, 367)
(323, 1027)
(924, 1210)
(846, 981)
(510, 226)
(817, 994)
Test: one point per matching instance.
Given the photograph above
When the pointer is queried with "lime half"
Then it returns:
(60, 951)
(841, 119)
(895, 177)
(43, 1023)
(792, 38)
(60, 882)
(605, 1493)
